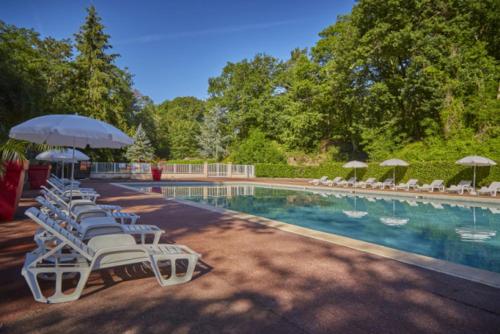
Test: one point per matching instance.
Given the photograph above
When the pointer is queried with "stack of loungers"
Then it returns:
(77, 236)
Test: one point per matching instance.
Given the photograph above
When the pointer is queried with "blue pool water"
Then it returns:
(459, 233)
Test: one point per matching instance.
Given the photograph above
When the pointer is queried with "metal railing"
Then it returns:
(128, 169)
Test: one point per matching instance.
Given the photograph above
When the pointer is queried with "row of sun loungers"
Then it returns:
(78, 236)
(412, 184)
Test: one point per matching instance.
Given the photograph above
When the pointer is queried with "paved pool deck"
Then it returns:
(253, 279)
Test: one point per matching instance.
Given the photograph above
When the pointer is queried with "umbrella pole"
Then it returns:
(62, 170)
(474, 181)
(355, 180)
(72, 176)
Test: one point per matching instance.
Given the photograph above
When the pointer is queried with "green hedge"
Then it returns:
(423, 171)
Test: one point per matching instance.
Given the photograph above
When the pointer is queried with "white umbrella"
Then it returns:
(474, 161)
(63, 155)
(355, 164)
(70, 130)
(394, 163)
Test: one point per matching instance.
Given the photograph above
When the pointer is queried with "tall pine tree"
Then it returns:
(141, 150)
(103, 90)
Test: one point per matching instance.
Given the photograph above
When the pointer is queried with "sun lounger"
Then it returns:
(319, 181)
(106, 251)
(65, 181)
(73, 192)
(464, 185)
(411, 184)
(389, 183)
(436, 184)
(94, 226)
(492, 189)
(334, 182)
(82, 208)
(368, 182)
(347, 183)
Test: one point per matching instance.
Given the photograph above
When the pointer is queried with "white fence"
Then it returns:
(137, 170)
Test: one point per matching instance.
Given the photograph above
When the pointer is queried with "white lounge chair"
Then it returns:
(492, 189)
(335, 182)
(389, 183)
(82, 208)
(323, 180)
(464, 185)
(65, 181)
(436, 184)
(91, 227)
(73, 192)
(411, 184)
(348, 183)
(368, 182)
(101, 252)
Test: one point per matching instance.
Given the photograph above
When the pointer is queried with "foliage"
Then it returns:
(141, 150)
(256, 148)
(179, 127)
(425, 172)
(212, 141)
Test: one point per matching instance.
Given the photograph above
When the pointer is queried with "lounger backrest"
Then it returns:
(59, 232)
(494, 185)
(323, 178)
(58, 212)
(388, 180)
(412, 181)
(464, 183)
(352, 179)
(371, 180)
(437, 183)
(53, 196)
(337, 179)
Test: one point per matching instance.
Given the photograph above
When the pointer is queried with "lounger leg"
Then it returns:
(174, 279)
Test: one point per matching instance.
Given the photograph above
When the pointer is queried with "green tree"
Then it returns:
(179, 127)
(212, 141)
(257, 148)
(103, 90)
(141, 150)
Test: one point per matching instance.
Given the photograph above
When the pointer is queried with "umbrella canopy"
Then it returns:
(475, 161)
(394, 163)
(70, 130)
(355, 164)
(64, 155)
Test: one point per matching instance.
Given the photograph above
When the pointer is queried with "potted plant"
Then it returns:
(38, 175)
(13, 166)
(156, 171)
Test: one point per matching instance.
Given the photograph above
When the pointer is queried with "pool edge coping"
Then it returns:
(472, 274)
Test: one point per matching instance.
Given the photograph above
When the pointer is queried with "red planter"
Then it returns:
(11, 188)
(38, 175)
(156, 173)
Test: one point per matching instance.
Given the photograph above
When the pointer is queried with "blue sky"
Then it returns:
(173, 47)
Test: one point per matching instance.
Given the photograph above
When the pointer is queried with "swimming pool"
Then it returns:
(460, 233)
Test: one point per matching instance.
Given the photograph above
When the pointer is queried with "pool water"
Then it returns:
(460, 233)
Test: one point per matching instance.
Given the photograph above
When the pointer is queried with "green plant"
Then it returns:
(257, 148)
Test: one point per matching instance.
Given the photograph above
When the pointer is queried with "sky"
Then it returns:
(173, 47)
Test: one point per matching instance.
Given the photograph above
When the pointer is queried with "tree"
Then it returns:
(257, 149)
(103, 90)
(179, 127)
(212, 140)
(141, 150)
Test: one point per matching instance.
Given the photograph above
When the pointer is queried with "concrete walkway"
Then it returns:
(253, 279)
